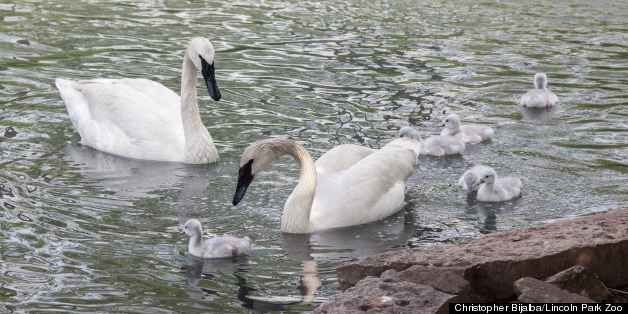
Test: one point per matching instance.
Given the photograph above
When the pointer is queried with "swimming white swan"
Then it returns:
(470, 179)
(471, 134)
(216, 247)
(441, 145)
(495, 189)
(347, 186)
(540, 96)
(143, 119)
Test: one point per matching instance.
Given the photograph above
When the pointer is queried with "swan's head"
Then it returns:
(540, 81)
(256, 158)
(201, 52)
(452, 123)
(192, 228)
(487, 176)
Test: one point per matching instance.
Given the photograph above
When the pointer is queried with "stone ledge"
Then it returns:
(489, 266)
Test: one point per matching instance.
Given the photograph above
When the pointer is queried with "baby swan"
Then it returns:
(216, 247)
(470, 179)
(494, 189)
(470, 134)
(540, 96)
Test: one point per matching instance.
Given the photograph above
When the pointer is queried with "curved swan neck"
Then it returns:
(199, 146)
(195, 241)
(296, 213)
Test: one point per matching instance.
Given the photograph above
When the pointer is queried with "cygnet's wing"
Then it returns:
(510, 184)
(226, 246)
(477, 133)
(535, 98)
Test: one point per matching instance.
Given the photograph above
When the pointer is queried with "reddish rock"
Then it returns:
(372, 295)
(491, 264)
(531, 290)
(579, 279)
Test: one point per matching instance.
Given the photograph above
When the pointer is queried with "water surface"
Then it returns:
(82, 231)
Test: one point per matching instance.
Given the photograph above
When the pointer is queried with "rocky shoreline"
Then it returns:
(583, 259)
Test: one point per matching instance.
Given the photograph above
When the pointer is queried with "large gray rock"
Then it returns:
(372, 295)
(491, 264)
(579, 279)
(531, 290)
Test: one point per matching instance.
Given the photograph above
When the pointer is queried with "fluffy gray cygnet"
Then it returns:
(216, 247)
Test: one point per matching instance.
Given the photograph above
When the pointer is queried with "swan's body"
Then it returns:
(143, 119)
(442, 145)
(347, 186)
(216, 247)
(471, 134)
(540, 96)
(470, 180)
(496, 189)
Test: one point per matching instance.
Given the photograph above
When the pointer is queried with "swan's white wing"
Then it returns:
(135, 118)
(405, 143)
(370, 190)
(340, 158)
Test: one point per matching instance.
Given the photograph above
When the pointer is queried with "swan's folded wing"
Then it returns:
(341, 158)
(370, 190)
(125, 119)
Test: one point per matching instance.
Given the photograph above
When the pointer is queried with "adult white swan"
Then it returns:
(143, 119)
(349, 185)
(540, 96)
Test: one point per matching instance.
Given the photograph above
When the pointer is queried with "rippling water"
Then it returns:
(83, 231)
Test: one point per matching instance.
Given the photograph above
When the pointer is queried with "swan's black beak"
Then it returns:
(209, 74)
(245, 177)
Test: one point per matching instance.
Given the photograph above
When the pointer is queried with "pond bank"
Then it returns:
(489, 269)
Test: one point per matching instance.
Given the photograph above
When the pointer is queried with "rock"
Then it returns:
(492, 263)
(372, 295)
(531, 290)
(9, 132)
(579, 279)
(449, 280)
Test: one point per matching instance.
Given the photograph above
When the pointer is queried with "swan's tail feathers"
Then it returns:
(75, 103)
(410, 132)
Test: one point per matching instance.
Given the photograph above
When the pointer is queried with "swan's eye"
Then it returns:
(447, 120)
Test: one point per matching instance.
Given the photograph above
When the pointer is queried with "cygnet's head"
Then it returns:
(201, 52)
(192, 227)
(258, 157)
(488, 176)
(540, 81)
(452, 122)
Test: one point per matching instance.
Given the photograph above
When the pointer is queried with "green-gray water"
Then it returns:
(82, 231)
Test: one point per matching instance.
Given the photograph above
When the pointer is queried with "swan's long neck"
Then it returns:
(199, 146)
(296, 213)
(195, 242)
